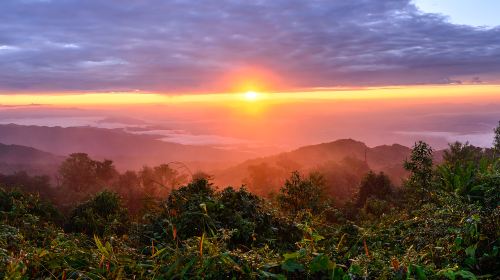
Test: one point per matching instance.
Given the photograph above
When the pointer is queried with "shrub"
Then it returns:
(103, 214)
(16, 205)
(300, 193)
(374, 185)
(376, 206)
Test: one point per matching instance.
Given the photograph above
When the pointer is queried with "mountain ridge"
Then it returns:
(14, 158)
(128, 151)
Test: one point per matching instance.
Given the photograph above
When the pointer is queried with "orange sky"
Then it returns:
(451, 93)
(383, 115)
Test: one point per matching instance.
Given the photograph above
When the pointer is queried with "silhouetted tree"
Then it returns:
(420, 166)
(496, 141)
(459, 154)
(263, 178)
(83, 175)
(128, 185)
(300, 193)
(31, 184)
(158, 181)
(374, 186)
(342, 178)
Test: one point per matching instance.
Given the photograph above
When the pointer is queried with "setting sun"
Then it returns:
(251, 95)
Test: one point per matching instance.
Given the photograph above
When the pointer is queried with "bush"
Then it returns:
(17, 205)
(300, 193)
(103, 214)
(376, 207)
(197, 209)
(373, 185)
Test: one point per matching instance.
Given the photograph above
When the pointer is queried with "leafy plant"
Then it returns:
(103, 214)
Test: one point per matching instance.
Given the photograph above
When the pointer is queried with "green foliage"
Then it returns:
(303, 193)
(420, 166)
(375, 206)
(471, 173)
(373, 185)
(459, 154)
(198, 232)
(191, 209)
(496, 140)
(103, 214)
(198, 209)
(245, 214)
(17, 206)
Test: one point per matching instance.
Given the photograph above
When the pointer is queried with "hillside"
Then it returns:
(343, 163)
(17, 158)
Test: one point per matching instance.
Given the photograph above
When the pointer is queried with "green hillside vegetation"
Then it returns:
(443, 222)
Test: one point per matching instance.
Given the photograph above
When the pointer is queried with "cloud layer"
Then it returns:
(185, 46)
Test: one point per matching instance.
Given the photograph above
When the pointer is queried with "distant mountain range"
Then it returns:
(128, 151)
(44, 148)
(342, 162)
(388, 159)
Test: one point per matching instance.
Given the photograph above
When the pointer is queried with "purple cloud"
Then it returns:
(180, 45)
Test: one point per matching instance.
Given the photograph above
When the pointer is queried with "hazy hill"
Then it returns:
(343, 162)
(17, 158)
(126, 149)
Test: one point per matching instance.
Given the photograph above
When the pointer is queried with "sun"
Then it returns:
(251, 95)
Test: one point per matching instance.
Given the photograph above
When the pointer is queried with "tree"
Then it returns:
(458, 154)
(471, 172)
(462, 163)
(158, 181)
(303, 193)
(128, 186)
(342, 178)
(264, 178)
(32, 184)
(374, 185)
(77, 172)
(420, 166)
(82, 174)
(496, 141)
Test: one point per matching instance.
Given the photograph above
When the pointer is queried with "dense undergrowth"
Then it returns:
(443, 223)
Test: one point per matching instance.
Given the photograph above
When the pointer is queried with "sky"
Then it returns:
(377, 71)
(469, 12)
(177, 46)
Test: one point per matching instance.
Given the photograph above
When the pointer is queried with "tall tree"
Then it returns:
(82, 174)
(420, 166)
(300, 193)
(160, 180)
(459, 154)
(496, 141)
(374, 185)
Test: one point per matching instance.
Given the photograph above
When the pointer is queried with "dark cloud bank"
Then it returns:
(65, 45)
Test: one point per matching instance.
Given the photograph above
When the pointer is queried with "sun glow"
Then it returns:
(437, 93)
(251, 95)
